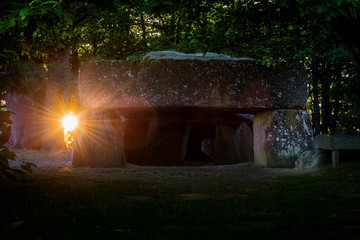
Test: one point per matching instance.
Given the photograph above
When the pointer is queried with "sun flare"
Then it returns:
(69, 123)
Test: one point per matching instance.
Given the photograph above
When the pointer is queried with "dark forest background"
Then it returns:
(40, 38)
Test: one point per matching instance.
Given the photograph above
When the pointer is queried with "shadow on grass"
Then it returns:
(324, 206)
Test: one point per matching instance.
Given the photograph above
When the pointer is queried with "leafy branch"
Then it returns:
(5, 155)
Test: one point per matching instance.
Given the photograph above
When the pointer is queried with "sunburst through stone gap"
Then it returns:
(69, 122)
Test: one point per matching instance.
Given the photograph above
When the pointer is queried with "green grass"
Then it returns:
(325, 206)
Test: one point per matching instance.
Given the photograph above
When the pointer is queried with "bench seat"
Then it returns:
(335, 143)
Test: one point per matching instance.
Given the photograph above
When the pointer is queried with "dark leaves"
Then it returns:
(10, 173)
(27, 166)
(5, 117)
(5, 154)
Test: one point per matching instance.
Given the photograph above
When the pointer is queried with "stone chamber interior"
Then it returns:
(187, 144)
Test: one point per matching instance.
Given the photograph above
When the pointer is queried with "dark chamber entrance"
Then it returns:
(194, 154)
(161, 143)
(166, 144)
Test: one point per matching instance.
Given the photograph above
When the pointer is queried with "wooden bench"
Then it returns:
(335, 143)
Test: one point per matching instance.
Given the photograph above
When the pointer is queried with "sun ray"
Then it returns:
(69, 122)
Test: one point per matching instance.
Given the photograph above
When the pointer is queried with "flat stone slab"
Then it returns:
(194, 85)
(337, 142)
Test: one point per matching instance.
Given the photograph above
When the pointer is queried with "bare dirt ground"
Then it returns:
(57, 166)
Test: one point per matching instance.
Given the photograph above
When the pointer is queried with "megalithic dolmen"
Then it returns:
(129, 106)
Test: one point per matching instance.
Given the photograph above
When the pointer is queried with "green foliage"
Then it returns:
(18, 15)
(6, 172)
(325, 9)
(18, 19)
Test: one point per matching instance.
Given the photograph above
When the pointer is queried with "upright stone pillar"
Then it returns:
(280, 136)
(100, 140)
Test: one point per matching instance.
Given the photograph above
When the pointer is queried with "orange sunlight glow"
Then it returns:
(69, 123)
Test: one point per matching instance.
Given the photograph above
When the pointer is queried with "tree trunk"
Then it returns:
(336, 98)
(75, 63)
(143, 27)
(325, 103)
(25, 128)
(316, 110)
(178, 29)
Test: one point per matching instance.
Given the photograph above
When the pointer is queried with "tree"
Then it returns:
(16, 20)
(340, 17)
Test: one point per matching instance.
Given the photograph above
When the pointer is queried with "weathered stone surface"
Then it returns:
(166, 143)
(280, 136)
(100, 140)
(208, 147)
(223, 86)
(179, 55)
(244, 143)
(312, 159)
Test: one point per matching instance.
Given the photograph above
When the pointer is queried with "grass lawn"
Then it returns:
(324, 206)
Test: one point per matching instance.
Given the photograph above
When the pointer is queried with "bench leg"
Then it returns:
(335, 159)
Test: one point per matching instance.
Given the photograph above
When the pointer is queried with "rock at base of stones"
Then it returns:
(312, 159)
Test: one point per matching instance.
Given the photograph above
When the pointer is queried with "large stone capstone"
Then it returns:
(224, 86)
